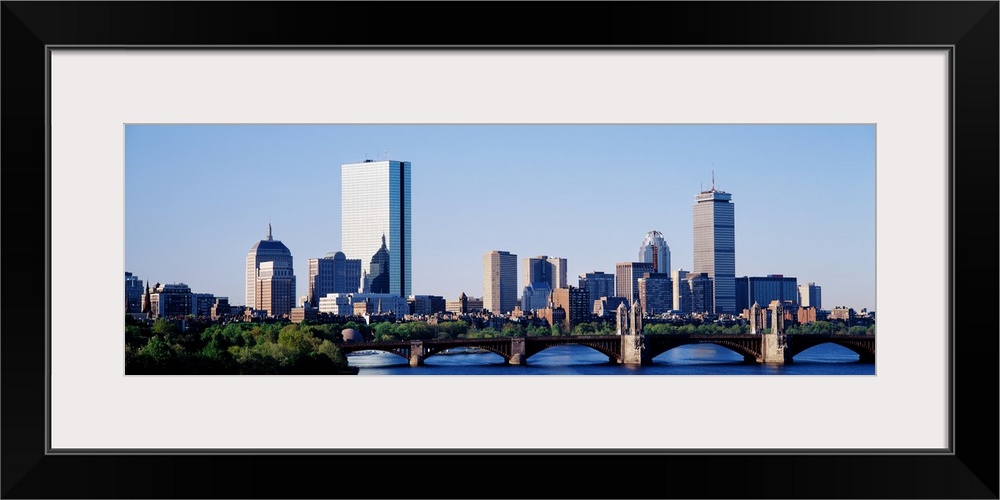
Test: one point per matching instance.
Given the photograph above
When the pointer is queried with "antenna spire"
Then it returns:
(269, 238)
(713, 180)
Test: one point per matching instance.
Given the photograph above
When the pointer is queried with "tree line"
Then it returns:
(233, 349)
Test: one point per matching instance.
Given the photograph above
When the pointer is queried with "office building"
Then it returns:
(334, 273)
(535, 296)
(499, 281)
(545, 269)
(133, 293)
(764, 289)
(377, 278)
(715, 245)
(701, 291)
(375, 206)
(275, 289)
(266, 250)
(598, 284)
(654, 249)
(627, 276)
(810, 295)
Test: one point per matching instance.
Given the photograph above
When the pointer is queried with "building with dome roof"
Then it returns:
(654, 249)
(273, 288)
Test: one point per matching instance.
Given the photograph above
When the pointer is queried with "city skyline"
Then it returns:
(586, 193)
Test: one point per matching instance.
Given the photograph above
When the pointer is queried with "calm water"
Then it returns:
(697, 359)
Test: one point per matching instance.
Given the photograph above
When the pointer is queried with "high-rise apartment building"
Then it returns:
(715, 246)
(654, 249)
(627, 276)
(334, 273)
(545, 269)
(576, 302)
(810, 295)
(266, 250)
(656, 293)
(499, 281)
(375, 205)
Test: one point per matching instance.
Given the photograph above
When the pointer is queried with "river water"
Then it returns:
(695, 359)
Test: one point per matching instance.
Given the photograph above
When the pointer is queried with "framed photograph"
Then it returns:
(90, 82)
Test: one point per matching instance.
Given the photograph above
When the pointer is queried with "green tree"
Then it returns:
(384, 332)
(164, 328)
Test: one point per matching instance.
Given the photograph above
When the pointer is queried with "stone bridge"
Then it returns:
(628, 349)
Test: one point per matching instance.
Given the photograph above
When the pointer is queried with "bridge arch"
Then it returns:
(864, 348)
(610, 348)
(745, 349)
(431, 350)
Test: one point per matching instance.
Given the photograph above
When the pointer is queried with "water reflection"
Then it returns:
(692, 359)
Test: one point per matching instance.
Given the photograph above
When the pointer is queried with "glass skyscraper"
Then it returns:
(654, 249)
(715, 246)
(375, 203)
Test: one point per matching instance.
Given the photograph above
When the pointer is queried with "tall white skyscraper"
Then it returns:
(715, 245)
(375, 203)
(499, 281)
(266, 250)
(654, 249)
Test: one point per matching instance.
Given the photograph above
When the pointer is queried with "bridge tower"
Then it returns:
(758, 319)
(772, 343)
(630, 330)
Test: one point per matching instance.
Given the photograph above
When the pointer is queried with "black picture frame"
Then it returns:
(970, 28)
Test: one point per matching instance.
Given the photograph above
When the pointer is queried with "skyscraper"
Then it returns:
(375, 206)
(715, 245)
(266, 250)
(499, 281)
(545, 269)
(654, 249)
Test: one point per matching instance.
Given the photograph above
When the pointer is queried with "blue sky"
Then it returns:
(197, 197)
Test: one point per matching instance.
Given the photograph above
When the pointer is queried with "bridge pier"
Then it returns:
(772, 343)
(516, 351)
(772, 349)
(416, 353)
(632, 347)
